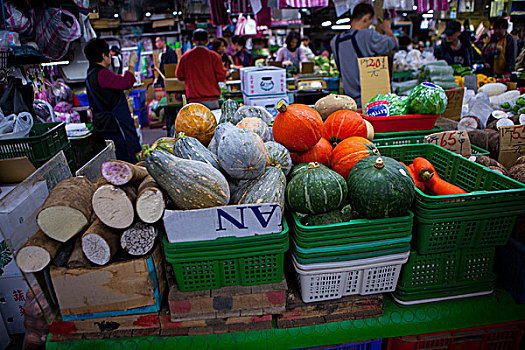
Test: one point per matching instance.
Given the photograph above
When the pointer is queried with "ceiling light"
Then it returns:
(326, 24)
(341, 27)
(343, 20)
(428, 15)
(405, 14)
(148, 14)
(430, 11)
(115, 15)
(180, 13)
(304, 10)
(414, 7)
(174, 13)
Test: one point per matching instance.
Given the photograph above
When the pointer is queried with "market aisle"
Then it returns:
(151, 135)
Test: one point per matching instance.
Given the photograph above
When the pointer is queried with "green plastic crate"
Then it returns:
(438, 272)
(477, 229)
(352, 228)
(410, 140)
(263, 267)
(354, 256)
(44, 141)
(471, 289)
(313, 243)
(485, 186)
(388, 135)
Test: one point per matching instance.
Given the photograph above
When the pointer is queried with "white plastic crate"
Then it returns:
(365, 276)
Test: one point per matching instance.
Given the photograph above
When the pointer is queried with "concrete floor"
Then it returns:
(151, 135)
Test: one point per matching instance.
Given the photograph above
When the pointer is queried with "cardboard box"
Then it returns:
(263, 81)
(121, 288)
(13, 291)
(171, 83)
(227, 221)
(268, 102)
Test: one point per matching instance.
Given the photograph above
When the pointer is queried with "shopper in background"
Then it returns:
(482, 41)
(112, 119)
(518, 39)
(202, 69)
(167, 56)
(359, 42)
(242, 57)
(502, 50)
(291, 54)
(116, 60)
(456, 48)
(219, 46)
(306, 49)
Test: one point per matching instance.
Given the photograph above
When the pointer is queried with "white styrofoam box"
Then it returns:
(227, 221)
(13, 291)
(268, 102)
(363, 276)
(261, 81)
(18, 214)
(4, 337)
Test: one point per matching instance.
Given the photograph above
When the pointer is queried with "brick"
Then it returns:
(127, 333)
(193, 317)
(93, 335)
(227, 314)
(65, 337)
(273, 287)
(144, 332)
(274, 310)
(300, 322)
(240, 327)
(254, 312)
(231, 290)
(173, 332)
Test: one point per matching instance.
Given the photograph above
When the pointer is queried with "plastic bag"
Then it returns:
(18, 22)
(55, 30)
(44, 111)
(59, 92)
(17, 98)
(16, 126)
(64, 113)
(479, 106)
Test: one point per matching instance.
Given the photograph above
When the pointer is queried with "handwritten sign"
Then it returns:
(456, 141)
(374, 77)
(454, 104)
(511, 144)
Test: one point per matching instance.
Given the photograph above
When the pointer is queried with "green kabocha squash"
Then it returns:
(228, 109)
(242, 154)
(252, 112)
(299, 168)
(190, 184)
(237, 188)
(316, 190)
(267, 188)
(380, 187)
(220, 130)
(191, 148)
(278, 156)
(332, 217)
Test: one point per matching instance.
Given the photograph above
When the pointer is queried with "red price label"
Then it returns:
(456, 141)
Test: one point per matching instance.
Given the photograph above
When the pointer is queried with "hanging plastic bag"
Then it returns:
(250, 27)
(44, 111)
(16, 126)
(58, 92)
(241, 22)
(55, 30)
(17, 21)
(13, 101)
(87, 30)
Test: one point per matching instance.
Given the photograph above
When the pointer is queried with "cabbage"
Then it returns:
(427, 98)
(385, 105)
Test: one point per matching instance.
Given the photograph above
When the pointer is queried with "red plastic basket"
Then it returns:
(505, 336)
(397, 123)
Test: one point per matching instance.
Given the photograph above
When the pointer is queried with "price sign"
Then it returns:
(511, 144)
(456, 141)
(374, 77)
(454, 104)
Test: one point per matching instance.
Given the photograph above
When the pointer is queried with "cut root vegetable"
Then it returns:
(120, 173)
(138, 239)
(36, 254)
(67, 210)
(504, 122)
(100, 243)
(114, 205)
(77, 258)
(369, 130)
(150, 201)
(468, 123)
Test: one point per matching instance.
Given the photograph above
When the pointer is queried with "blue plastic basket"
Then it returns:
(510, 264)
(367, 345)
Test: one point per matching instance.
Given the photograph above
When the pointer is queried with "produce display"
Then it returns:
(385, 105)
(197, 121)
(427, 98)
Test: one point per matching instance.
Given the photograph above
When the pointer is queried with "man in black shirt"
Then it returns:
(456, 48)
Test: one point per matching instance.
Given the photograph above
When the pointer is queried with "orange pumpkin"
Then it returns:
(320, 153)
(297, 127)
(350, 151)
(197, 121)
(343, 124)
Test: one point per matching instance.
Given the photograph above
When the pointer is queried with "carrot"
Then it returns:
(423, 168)
(418, 183)
(440, 187)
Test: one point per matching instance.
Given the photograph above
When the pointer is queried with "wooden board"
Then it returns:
(212, 223)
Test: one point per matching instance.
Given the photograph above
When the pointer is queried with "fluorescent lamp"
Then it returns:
(428, 15)
(341, 26)
(343, 20)
(115, 15)
(430, 11)
(174, 13)
(147, 14)
(414, 8)
(58, 63)
(326, 24)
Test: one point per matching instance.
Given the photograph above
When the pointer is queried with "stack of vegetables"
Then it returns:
(439, 73)
(348, 205)
(211, 164)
